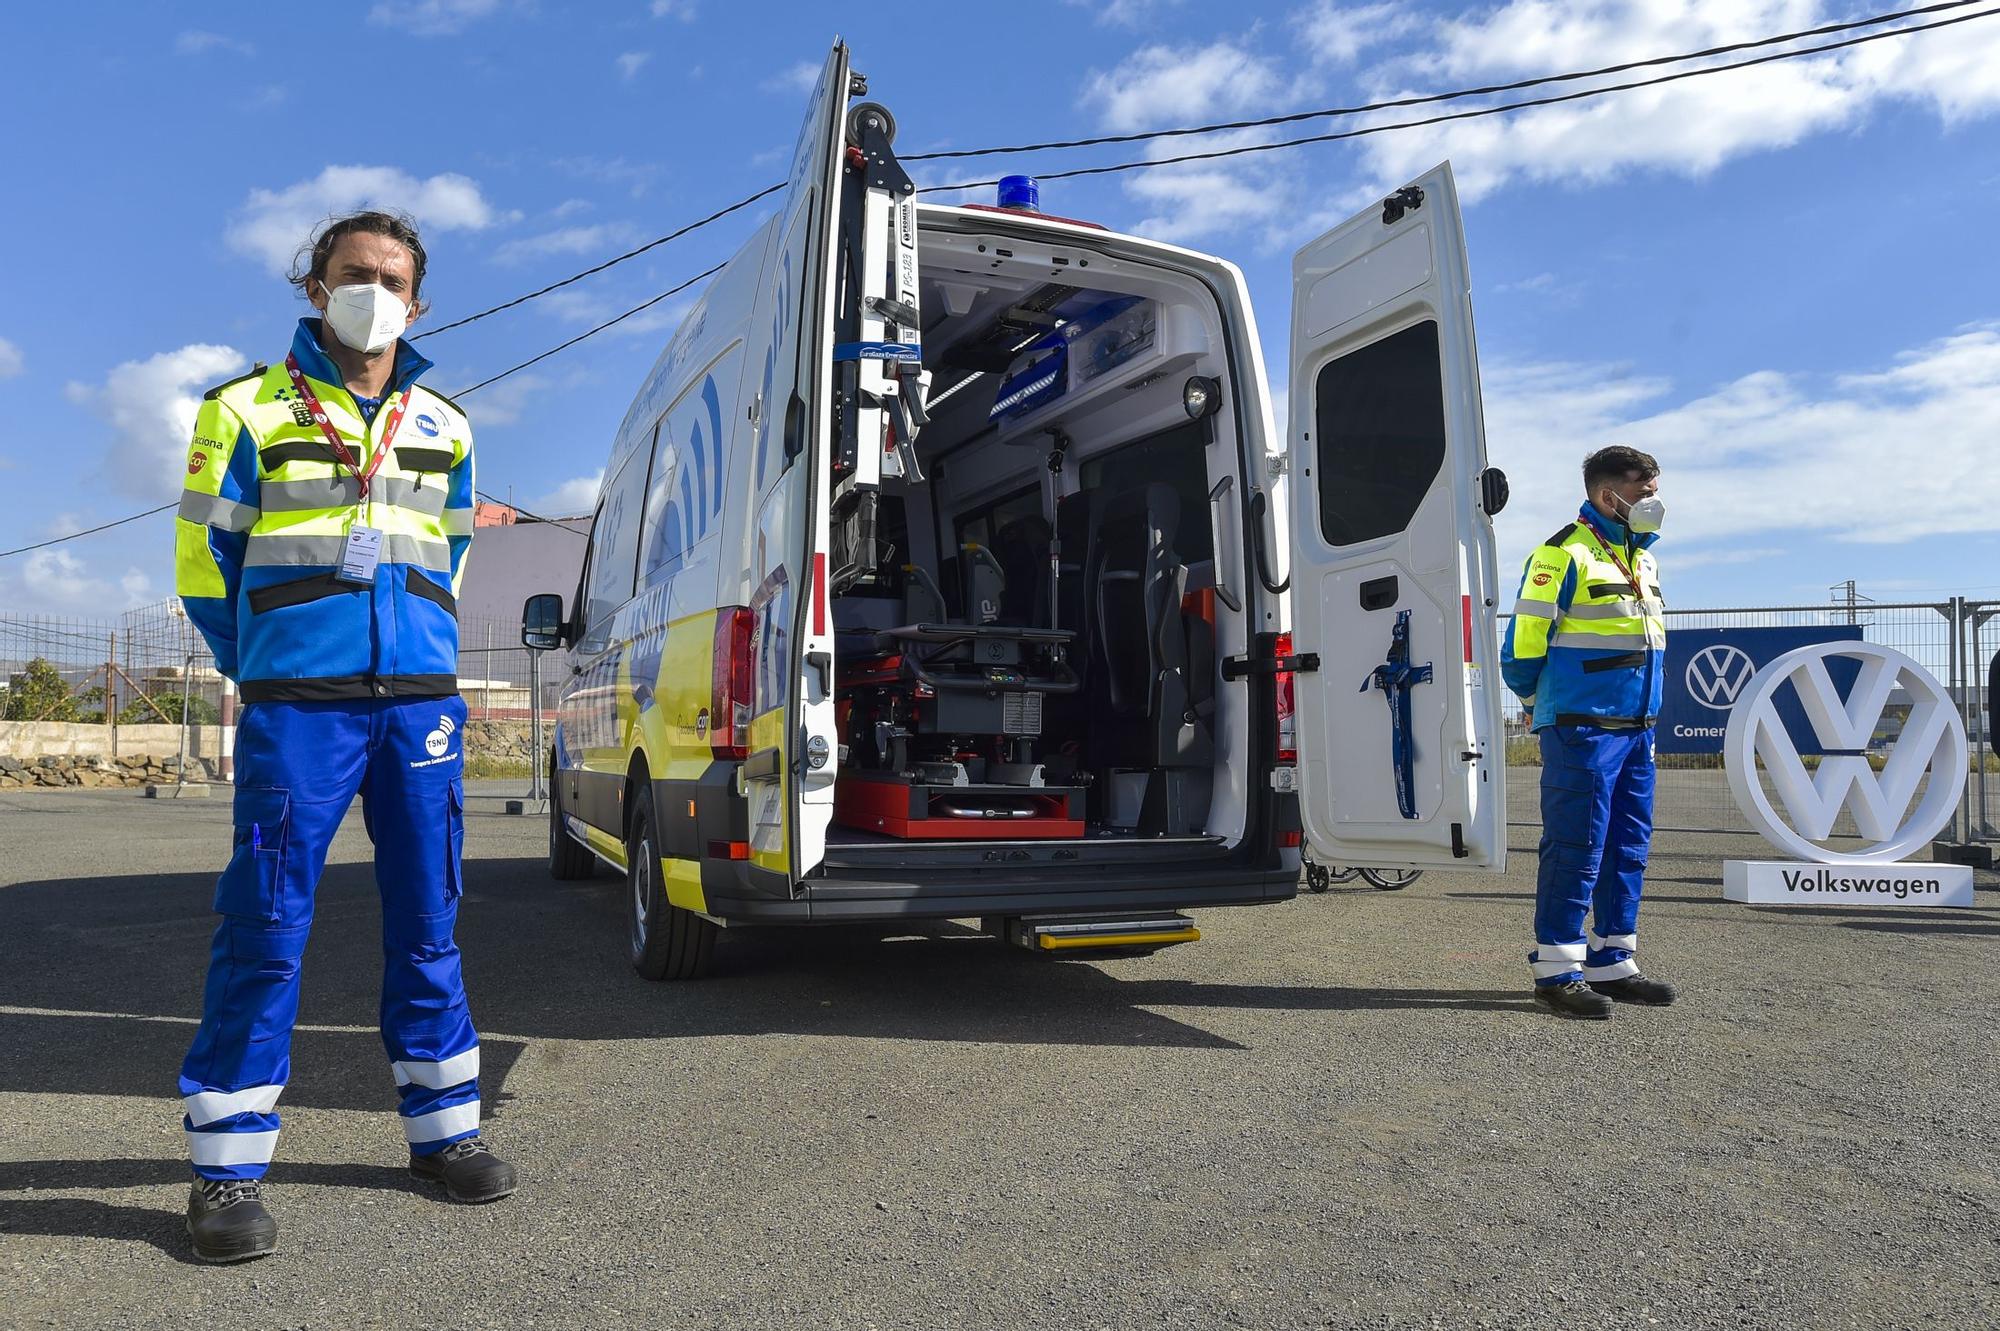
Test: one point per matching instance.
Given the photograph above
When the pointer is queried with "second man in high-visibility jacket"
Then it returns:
(321, 541)
(1585, 652)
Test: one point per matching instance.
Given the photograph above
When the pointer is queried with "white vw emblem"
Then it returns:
(1716, 675)
(1932, 742)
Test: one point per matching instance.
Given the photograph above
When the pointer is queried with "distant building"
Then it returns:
(513, 557)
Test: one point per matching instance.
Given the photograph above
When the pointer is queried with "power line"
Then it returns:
(646, 304)
(1431, 98)
(87, 531)
(1499, 109)
(715, 216)
(1242, 150)
(1265, 122)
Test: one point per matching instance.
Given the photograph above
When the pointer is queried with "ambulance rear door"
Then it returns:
(1402, 758)
(789, 771)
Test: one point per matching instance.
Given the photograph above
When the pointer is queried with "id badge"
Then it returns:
(360, 555)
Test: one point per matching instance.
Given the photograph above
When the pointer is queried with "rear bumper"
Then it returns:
(850, 899)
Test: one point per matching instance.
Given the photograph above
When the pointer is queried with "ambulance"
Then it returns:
(935, 574)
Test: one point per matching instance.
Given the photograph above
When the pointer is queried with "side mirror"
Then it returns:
(542, 626)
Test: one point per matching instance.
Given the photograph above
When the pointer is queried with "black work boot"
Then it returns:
(1638, 989)
(1574, 999)
(227, 1220)
(469, 1171)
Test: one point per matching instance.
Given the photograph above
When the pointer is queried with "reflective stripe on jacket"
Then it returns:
(1588, 639)
(263, 522)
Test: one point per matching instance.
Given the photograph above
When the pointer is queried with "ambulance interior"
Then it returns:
(1032, 651)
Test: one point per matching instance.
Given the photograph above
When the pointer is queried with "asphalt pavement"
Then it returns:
(1338, 1112)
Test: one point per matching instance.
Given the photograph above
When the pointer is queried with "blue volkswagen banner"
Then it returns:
(1709, 669)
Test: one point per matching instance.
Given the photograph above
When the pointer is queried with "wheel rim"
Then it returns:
(642, 892)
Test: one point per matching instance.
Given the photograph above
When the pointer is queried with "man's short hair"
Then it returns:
(1619, 462)
(309, 264)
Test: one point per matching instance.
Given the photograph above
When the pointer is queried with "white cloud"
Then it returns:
(432, 18)
(503, 403)
(802, 76)
(150, 406)
(616, 171)
(1337, 33)
(196, 42)
(1123, 13)
(592, 240)
(10, 359)
(680, 9)
(569, 208)
(273, 224)
(1163, 86)
(58, 581)
(630, 63)
(1768, 456)
(572, 497)
(1687, 128)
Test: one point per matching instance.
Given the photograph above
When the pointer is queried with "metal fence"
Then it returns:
(1954, 640)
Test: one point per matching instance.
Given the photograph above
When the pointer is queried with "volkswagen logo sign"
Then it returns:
(1930, 753)
(1717, 675)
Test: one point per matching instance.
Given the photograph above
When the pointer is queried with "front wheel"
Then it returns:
(668, 943)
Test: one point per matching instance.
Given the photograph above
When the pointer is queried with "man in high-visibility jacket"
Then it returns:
(321, 540)
(1585, 652)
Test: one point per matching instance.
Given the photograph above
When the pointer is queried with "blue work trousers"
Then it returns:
(1597, 826)
(298, 768)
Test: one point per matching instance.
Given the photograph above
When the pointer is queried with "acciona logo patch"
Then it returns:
(437, 744)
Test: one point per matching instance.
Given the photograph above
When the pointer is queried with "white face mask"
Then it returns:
(367, 318)
(1645, 516)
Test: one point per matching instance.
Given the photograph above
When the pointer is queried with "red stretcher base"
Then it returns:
(904, 810)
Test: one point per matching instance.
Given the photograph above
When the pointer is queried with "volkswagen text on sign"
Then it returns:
(1896, 811)
(1709, 670)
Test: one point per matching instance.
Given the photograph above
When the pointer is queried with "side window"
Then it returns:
(690, 464)
(1378, 416)
(613, 543)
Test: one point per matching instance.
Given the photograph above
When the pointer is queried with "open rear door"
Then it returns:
(1401, 753)
(791, 799)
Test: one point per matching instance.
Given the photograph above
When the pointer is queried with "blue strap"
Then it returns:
(1396, 677)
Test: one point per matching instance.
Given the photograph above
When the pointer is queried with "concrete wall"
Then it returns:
(63, 739)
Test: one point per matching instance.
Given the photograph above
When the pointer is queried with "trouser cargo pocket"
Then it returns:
(249, 888)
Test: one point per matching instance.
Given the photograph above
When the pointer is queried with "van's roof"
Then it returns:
(959, 217)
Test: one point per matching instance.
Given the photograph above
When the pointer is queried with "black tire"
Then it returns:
(869, 110)
(1317, 878)
(569, 862)
(1392, 880)
(667, 943)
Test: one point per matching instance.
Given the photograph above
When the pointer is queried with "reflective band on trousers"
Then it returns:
(207, 1107)
(442, 1123)
(437, 1076)
(343, 492)
(1630, 942)
(1617, 970)
(274, 550)
(215, 1149)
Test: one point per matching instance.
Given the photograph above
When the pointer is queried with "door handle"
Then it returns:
(1215, 496)
(1380, 593)
(822, 664)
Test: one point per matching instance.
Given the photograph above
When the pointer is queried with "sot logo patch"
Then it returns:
(427, 426)
(1541, 579)
(196, 463)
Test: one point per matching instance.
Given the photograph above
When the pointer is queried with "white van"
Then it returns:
(932, 576)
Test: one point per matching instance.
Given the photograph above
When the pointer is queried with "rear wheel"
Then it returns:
(1392, 880)
(569, 862)
(668, 943)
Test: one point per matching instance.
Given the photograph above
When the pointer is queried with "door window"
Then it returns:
(614, 546)
(1378, 413)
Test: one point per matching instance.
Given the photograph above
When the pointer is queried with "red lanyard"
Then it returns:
(1629, 572)
(333, 439)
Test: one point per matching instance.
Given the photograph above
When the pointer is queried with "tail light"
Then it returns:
(1288, 742)
(730, 679)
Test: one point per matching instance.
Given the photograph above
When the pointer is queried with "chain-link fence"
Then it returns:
(1954, 640)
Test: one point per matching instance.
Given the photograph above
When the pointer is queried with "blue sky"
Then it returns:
(1780, 281)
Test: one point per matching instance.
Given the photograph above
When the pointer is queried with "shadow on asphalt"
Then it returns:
(1947, 928)
(107, 974)
(78, 1217)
